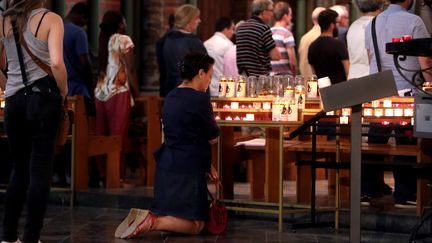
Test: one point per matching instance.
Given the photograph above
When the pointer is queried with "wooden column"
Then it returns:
(272, 165)
(227, 160)
(154, 138)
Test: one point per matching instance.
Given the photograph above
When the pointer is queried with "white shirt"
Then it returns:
(216, 47)
(359, 62)
(230, 62)
(305, 41)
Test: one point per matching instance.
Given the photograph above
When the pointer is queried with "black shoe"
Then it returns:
(365, 200)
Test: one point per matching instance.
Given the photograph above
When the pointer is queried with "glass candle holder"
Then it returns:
(387, 103)
(388, 112)
(378, 112)
(367, 112)
(343, 120)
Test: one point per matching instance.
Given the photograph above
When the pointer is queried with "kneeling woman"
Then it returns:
(184, 159)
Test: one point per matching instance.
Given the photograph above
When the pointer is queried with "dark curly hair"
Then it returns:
(194, 62)
(110, 24)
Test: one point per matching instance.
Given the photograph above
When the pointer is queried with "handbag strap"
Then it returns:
(218, 186)
(20, 54)
(375, 43)
(45, 67)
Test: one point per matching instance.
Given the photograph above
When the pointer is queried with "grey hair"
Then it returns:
(366, 6)
(258, 6)
(340, 10)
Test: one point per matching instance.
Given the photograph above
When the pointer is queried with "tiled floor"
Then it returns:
(97, 225)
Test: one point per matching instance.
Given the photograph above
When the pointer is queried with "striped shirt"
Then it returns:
(254, 42)
(284, 39)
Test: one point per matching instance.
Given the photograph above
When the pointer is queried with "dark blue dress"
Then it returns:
(185, 156)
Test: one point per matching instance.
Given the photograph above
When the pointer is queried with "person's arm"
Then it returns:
(131, 73)
(2, 67)
(346, 65)
(426, 62)
(275, 54)
(55, 47)
(82, 50)
(369, 56)
(86, 69)
(292, 59)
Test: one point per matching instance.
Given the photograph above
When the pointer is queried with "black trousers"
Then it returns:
(405, 178)
(31, 123)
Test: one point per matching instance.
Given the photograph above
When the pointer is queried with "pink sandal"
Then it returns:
(143, 223)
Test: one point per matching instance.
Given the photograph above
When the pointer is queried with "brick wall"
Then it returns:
(154, 25)
(70, 3)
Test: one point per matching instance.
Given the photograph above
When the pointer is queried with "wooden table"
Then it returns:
(273, 166)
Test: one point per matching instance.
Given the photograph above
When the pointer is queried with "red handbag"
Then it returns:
(217, 213)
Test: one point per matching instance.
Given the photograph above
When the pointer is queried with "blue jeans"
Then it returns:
(31, 123)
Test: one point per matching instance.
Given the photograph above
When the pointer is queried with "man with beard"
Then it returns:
(327, 55)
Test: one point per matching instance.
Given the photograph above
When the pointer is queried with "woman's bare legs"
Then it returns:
(178, 225)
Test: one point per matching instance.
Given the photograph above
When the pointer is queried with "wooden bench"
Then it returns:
(153, 108)
(86, 145)
(296, 150)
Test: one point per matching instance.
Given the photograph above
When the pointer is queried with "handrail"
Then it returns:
(307, 124)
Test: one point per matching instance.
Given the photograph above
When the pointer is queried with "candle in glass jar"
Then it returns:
(387, 103)
(378, 112)
(250, 117)
(289, 92)
(367, 112)
(312, 90)
(222, 87)
(375, 103)
(343, 120)
(388, 112)
(230, 88)
(234, 105)
(241, 87)
(266, 105)
(398, 112)
(346, 111)
(408, 112)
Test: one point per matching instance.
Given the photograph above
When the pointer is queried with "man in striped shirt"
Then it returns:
(255, 45)
(284, 40)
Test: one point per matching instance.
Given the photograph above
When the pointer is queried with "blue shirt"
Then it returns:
(75, 44)
(395, 21)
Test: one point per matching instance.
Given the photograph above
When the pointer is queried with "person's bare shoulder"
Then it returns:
(53, 18)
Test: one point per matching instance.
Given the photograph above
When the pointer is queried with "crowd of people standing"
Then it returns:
(190, 69)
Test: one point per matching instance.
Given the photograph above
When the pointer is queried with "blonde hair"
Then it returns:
(184, 15)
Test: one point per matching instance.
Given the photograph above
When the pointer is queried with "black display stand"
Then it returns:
(353, 93)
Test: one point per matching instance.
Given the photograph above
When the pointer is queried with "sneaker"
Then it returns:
(365, 200)
(406, 204)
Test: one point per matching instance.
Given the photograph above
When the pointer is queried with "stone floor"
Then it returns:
(89, 224)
